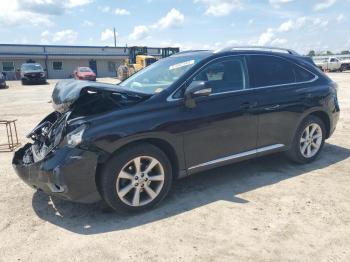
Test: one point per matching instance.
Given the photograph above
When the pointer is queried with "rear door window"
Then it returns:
(270, 70)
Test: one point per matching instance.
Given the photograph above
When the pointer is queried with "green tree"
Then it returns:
(312, 53)
(329, 53)
(346, 52)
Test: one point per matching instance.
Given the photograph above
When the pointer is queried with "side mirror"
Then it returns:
(196, 89)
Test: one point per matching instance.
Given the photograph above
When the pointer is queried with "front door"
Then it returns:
(221, 127)
(93, 66)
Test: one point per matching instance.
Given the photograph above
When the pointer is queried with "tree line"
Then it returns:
(313, 53)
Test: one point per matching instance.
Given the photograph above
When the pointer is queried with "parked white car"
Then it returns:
(332, 64)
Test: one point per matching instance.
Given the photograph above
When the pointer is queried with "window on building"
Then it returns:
(57, 66)
(112, 66)
(8, 66)
(270, 70)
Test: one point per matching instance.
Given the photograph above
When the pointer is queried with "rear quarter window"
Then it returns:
(302, 75)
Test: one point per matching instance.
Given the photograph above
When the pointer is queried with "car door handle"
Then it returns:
(271, 108)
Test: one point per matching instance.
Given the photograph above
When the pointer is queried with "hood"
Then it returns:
(66, 92)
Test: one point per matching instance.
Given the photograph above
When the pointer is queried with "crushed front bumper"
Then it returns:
(68, 173)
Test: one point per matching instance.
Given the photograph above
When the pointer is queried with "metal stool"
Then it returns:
(12, 142)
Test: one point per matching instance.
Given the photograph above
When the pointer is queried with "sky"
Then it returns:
(189, 24)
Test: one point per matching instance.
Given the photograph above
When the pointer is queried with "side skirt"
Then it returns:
(235, 158)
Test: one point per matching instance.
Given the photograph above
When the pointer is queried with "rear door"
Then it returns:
(282, 89)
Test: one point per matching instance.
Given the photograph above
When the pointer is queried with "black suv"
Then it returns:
(184, 114)
(32, 73)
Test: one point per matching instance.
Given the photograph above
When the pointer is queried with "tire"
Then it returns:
(119, 188)
(342, 68)
(23, 83)
(296, 152)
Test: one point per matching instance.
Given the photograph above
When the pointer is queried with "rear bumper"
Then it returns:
(333, 122)
(68, 173)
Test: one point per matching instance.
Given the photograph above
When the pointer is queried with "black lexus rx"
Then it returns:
(182, 115)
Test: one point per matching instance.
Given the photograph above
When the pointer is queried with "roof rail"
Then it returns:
(189, 51)
(262, 48)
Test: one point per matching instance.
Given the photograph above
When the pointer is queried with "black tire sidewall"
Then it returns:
(112, 169)
(295, 153)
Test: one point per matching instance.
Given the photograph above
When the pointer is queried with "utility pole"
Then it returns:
(115, 37)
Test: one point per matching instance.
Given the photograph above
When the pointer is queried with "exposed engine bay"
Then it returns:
(71, 100)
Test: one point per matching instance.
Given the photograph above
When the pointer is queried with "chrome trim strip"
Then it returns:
(239, 155)
(316, 77)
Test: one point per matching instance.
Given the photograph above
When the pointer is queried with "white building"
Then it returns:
(60, 61)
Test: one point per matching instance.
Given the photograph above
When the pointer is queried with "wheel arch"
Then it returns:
(325, 118)
(162, 144)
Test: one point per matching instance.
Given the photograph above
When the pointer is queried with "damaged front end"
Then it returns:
(55, 162)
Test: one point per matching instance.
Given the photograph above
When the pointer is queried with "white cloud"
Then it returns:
(278, 3)
(172, 19)
(292, 24)
(278, 41)
(66, 36)
(107, 35)
(220, 7)
(75, 3)
(104, 9)
(286, 26)
(266, 37)
(140, 32)
(303, 22)
(87, 23)
(324, 5)
(35, 12)
(318, 22)
(120, 11)
(341, 18)
(49, 7)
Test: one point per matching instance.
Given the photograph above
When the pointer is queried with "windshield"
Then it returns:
(85, 69)
(160, 75)
(32, 67)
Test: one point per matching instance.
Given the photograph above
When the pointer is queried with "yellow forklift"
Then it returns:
(139, 59)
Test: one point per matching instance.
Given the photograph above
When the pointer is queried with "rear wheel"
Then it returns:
(308, 140)
(136, 178)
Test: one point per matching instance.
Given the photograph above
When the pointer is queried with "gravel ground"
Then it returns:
(266, 209)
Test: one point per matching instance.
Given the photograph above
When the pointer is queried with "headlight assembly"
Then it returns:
(75, 137)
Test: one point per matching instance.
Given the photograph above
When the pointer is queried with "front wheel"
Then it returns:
(136, 178)
(308, 140)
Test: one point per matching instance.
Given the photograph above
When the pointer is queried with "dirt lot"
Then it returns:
(266, 209)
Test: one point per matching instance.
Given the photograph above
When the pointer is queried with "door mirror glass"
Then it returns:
(196, 89)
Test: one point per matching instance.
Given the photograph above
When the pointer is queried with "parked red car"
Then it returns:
(84, 73)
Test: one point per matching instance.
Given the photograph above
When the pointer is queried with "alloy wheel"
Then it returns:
(140, 181)
(311, 140)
